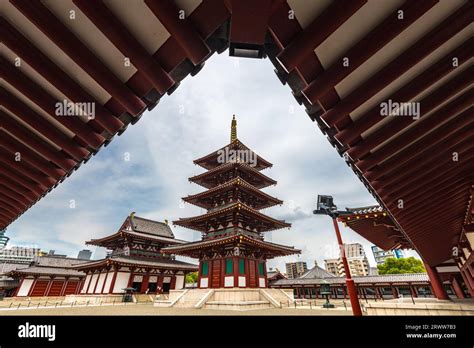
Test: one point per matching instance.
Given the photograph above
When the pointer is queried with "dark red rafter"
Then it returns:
(399, 189)
(25, 170)
(42, 126)
(13, 146)
(27, 194)
(443, 154)
(314, 34)
(51, 72)
(350, 134)
(57, 32)
(437, 118)
(358, 54)
(444, 137)
(8, 211)
(20, 180)
(427, 104)
(47, 102)
(118, 34)
(181, 30)
(14, 195)
(35, 142)
(411, 56)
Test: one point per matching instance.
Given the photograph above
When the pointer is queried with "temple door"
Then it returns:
(252, 274)
(216, 274)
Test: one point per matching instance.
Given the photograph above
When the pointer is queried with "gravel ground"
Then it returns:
(149, 309)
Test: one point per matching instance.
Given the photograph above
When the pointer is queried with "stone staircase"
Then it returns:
(227, 299)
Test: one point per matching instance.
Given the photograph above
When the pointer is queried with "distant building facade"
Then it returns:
(296, 269)
(381, 255)
(3, 239)
(19, 254)
(84, 254)
(356, 258)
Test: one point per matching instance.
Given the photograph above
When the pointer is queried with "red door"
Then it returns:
(56, 287)
(252, 275)
(216, 274)
(71, 287)
(40, 288)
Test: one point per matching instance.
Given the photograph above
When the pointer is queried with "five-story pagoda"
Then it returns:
(232, 252)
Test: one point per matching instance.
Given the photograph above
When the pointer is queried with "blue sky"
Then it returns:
(192, 122)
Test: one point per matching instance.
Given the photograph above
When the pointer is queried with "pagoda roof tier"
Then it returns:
(204, 199)
(117, 239)
(138, 262)
(199, 223)
(255, 177)
(211, 161)
(193, 249)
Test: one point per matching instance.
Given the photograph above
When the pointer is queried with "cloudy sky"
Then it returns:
(146, 169)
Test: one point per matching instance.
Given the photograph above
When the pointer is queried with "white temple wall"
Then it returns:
(121, 281)
(93, 282)
(25, 287)
(100, 283)
(86, 283)
(108, 281)
(179, 282)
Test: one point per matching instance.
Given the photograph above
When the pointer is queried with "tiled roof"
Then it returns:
(317, 272)
(151, 227)
(37, 270)
(48, 261)
(381, 279)
(170, 264)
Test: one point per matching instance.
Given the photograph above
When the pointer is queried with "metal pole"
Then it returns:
(351, 289)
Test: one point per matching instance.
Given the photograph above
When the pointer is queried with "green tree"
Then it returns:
(191, 277)
(402, 265)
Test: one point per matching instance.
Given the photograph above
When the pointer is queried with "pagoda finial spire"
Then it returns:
(233, 129)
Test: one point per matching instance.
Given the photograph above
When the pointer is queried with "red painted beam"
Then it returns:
(209, 16)
(446, 136)
(21, 180)
(48, 103)
(57, 77)
(427, 184)
(42, 126)
(358, 54)
(443, 157)
(182, 30)
(351, 134)
(249, 23)
(52, 27)
(13, 146)
(457, 200)
(427, 104)
(436, 218)
(26, 170)
(27, 194)
(425, 125)
(468, 228)
(16, 198)
(411, 56)
(119, 35)
(8, 210)
(313, 35)
(35, 142)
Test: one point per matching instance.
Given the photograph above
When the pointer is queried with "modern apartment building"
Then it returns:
(356, 258)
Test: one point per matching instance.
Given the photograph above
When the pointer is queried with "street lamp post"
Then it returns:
(326, 207)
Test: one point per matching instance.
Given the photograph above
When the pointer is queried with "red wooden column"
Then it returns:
(413, 291)
(48, 288)
(436, 283)
(19, 286)
(235, 260)
(114, 278)
(199, 274)
(173, 281)
(63, 289)
(265, 274)
(159, 284)
(132, 275)
(394, 291)
(144, 286)
(457, 287)
(105, 281)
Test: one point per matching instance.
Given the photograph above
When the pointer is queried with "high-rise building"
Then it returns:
(296, 269)
(84, 254)
(18, 254)
(381, 255)
(356, 258)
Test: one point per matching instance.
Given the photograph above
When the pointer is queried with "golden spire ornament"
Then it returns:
(233, 130)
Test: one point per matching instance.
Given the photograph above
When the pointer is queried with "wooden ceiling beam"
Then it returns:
(402, 63)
